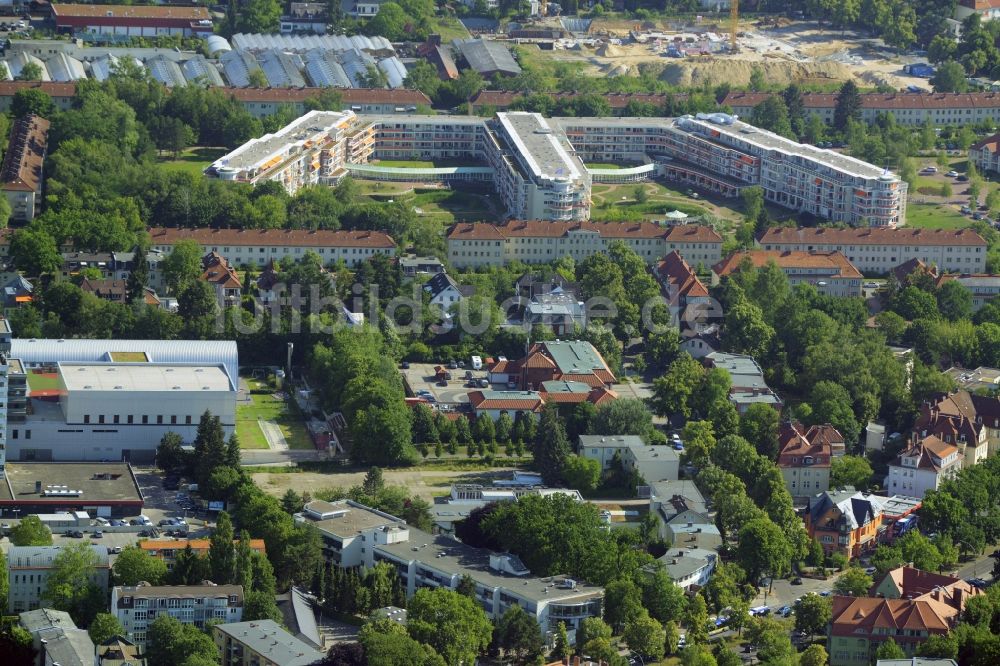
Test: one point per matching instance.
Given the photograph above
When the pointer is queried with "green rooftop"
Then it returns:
(558, 386)
(574, 356)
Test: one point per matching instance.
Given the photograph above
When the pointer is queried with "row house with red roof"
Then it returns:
(480, 245)
(830, 272)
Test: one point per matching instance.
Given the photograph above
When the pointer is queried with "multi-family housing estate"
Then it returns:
(262, 643)
(21, 174)
(29, 568)
(748, 384)
(256, 247)
(923, 466)
(830, 272)
(465, 498)
(652, 463)
(983, 287)
(138, 607)
(804, 458)
(537, 166)
(168, 549)
(480, 245)
(879, 251)
(356, 535)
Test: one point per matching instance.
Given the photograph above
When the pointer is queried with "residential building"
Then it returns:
(249, 247)
(804, 462)
(537, 174)
(489, 57)
(346, 527)
(412, 265)
(683, 515)
(880, 250)
(861, 624)
(22, 172)
(558, 310)
(119, 651)
(689, 568)
(477, 245)
(980, 379)
(830, 272)
(263, 102)
(115, 291)
(445, 292)
(917, 661)
(467, 497)
(217, 272)
(503, 100)
(501, 580)
(652, 463)
(17, 292)
(531, 284)
(907, 582)
(748, 384)
(680, 282)
(987, 9)
(983, 287)
(924, 466)
(551, 360)
(908, 108)
(133, 21)
(56, 639)
(28, 570)
(137, 607)
(846, 521)
(964, 419)
(573, 393)
(308, 151)
(262, 643)
(299, 616)
(168, 549)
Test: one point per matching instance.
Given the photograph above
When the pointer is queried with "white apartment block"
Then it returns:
(308, 151)
(138, 607)
(984, 288)
(258, 247)
(536, 164)
(878, 251)
(922, 467)
(28, 570)
(356, 535)
(477, 245)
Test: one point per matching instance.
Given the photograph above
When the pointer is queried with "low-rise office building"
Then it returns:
(879, 250)
(830, 272)
(138, 607)
(554, 360)
(262, 643)
(28, 570)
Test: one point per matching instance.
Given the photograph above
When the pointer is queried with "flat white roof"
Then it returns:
(539, 145)
(144, 377)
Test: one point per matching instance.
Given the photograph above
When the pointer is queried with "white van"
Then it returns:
(145, 520)
(477, 363)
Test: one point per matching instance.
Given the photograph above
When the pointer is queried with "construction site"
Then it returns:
(719, 48)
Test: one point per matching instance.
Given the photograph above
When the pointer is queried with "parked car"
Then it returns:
(145, 533)
(98, 534)
(483, 383)
(797, 580)
(404, 365)
(785, 611)
(977, 215)
(452, 365)
(930, 169)
(966, 210)
(952, 174)
(76, 534)
(962, 179)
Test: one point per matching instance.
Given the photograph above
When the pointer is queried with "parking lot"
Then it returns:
(420, 377)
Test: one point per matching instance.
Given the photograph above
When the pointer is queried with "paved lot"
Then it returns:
(420, 376)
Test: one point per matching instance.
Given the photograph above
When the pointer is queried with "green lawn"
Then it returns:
(46, 382)
(269, 408)
(934, 216)
(192, 160)
(617, 203)
(449, 28)
(602, 165)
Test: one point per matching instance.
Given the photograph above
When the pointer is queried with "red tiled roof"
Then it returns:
(51, 88)
(679, 278)
(793, 445)
(853, 613)
(545, 229)
(130, 11)
(502, 99)
(790, 259)
(526, 403)
(872, 236)
(348, 95)
(279, 237)
(22, 165)
(930, 449)
(693, 233)
(880, 101)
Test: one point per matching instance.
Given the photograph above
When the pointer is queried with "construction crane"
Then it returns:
(734, 25)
